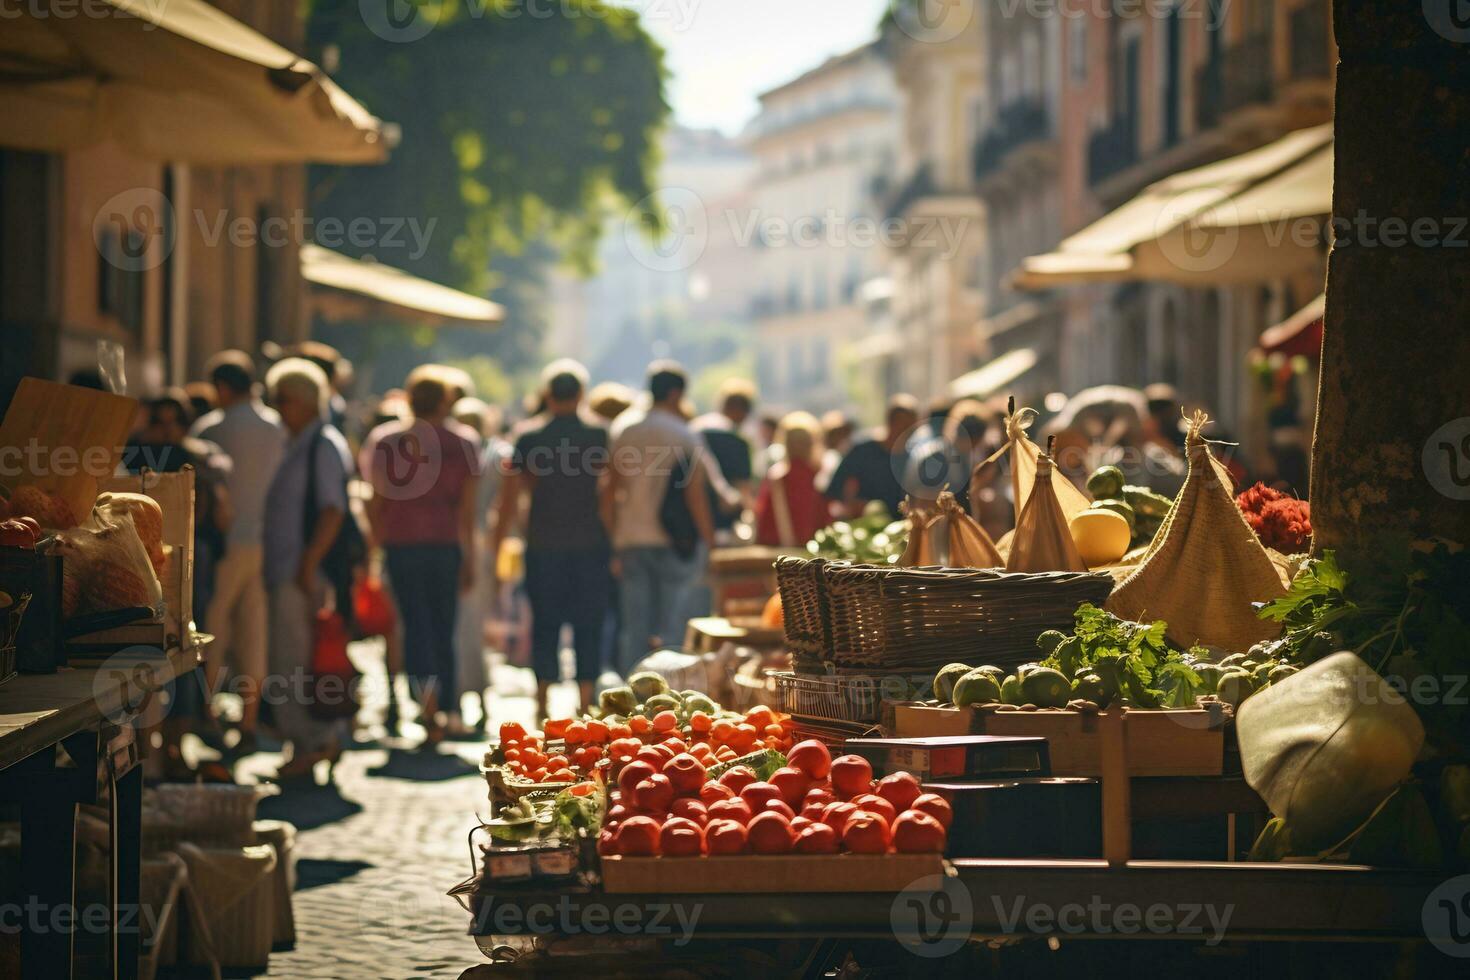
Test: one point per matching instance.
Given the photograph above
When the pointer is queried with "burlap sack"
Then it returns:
(1024, 455)
(918, 552)
(1043, 540)
(969, 545)
(1206, 566)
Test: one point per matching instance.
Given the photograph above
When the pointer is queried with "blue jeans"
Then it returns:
(425, 583)
(651, 596)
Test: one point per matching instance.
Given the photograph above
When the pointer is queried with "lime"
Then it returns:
(1105, 482)
(617, 700)
(1090, 687)
(646, 684)
(1235, 686)
(1010, 691)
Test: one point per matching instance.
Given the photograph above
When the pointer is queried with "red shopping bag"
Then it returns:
(371, 607)
(333, 678)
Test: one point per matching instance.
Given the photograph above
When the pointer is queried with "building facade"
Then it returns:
(827, 149)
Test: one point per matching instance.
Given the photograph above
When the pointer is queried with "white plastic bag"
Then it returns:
(105, 566)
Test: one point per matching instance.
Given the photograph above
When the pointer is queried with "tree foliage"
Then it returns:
(520, 122)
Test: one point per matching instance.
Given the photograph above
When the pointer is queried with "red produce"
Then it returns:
(690, 809)
(851, 775)
(770, 833)
(633, 774)
(798, 824)
(936, 806)
(638, 837)
(734, 809)
(686, 773)
(836, 815)
(607, 842)
(739, 777)
(651, 755)
(656, 793)
(901, 789)
(811, 757)
(813, 810)
(681, 838)
(725, 837)
(792, 785)
(756, 794)
(714, 791)
(915, 832)
(778, 806)
(865, 833)
(819, 794)
(817, 839)
(874, 803)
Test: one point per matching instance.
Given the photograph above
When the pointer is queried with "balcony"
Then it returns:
(1239, 77)
(1311, 42)
(1017, 125)
(1112, 150)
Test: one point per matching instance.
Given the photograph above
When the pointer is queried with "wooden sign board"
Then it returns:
(63, 439)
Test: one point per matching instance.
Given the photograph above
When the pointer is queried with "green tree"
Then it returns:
(518, 124)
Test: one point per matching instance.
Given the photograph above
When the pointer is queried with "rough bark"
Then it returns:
(1396, 349)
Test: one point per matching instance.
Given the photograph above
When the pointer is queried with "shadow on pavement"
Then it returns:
(423, 767)
(308, 807)
(313, 873)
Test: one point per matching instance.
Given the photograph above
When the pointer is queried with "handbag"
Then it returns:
(372, 611)
(349, 547)
(332, 676)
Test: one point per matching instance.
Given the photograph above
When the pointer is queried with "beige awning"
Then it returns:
(1238, 220)
(1004, 370)
(178, 80)
(372, 284)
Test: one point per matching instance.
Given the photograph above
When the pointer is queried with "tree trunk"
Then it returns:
(1391, 458)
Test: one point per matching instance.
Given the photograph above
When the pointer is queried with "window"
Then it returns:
(1077, 50)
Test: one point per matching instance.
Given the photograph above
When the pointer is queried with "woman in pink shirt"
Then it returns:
(790, 508)
(425, 473)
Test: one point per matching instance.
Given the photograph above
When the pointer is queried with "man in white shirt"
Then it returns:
(660, 545)
(253, 437)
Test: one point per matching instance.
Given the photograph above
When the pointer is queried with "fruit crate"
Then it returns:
(757, 873)
(504, 787)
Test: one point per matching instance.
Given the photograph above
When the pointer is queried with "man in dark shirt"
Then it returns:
(558, 460)
(873, 469)
(721, 433)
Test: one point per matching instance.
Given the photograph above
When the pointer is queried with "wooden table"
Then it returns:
(64, 737)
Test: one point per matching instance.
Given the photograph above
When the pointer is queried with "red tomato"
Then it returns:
(722, 730)
(681, 838)
(760, 716)
(736, 810)
(638, 725)
(936, 806)
(607, 842)
(512, 755)
(651, 755)
(818, 794)
(738, 778)
(725, 837)
(557, 728)
(713, 792)
(638, 837)
(811, 757)
(576, 733)
(818, 838)
(620, 731)
(798, 824)
(915, 832)
(615, 815)
(901, 789)
(757, 793)
(851, 775)
(675, 744)
(744, 737)
(557, 761)
(633, 774)
(690, 810)
(665, 721)
(770, 833)
(512, 731)
(874, 803)
(813, 810)
(865, 833)
(792, 784)
(700, 722)
(597, 731)
(837, 814)
(562, 775)
(656, 794)
(778, 806)
(686, 773)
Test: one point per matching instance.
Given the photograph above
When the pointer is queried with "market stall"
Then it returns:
(1128, 697)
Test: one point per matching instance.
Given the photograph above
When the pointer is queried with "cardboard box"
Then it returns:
(1182, 742)
(753, 873)
(955, 756)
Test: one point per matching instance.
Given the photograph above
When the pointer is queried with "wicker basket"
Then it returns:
(846, 697)
(804, 612)
(919, 619)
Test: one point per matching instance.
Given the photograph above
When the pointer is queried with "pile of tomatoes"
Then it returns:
(590, 745)
(665, 805)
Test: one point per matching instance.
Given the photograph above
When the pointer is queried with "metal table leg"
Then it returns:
(48, 827)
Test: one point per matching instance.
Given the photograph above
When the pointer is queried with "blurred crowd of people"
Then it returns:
(432, 523)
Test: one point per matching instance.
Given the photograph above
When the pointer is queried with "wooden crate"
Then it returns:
(752, 873)
(1183, 742)
(175, 495)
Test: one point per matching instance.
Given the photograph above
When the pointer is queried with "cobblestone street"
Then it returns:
(378, 851)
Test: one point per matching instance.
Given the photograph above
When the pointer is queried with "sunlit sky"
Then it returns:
(723, 53)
